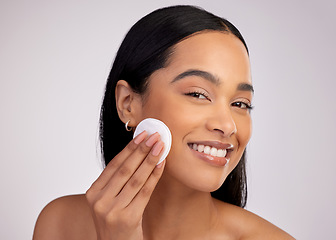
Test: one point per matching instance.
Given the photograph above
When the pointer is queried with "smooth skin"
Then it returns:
(203, 95)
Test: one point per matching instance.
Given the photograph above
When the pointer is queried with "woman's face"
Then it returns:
(203, 95)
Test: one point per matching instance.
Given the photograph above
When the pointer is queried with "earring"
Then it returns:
(128, 129)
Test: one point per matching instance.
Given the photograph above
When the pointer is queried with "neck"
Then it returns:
(175, 211)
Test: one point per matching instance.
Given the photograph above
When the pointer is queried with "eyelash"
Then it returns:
(247, 106)
(197, 94)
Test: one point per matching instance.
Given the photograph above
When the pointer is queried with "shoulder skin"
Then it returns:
(249, 225)
(65, 218)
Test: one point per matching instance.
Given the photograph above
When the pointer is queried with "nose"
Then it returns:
(222, 122)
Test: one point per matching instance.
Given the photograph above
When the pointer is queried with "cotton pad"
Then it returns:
(152, 125)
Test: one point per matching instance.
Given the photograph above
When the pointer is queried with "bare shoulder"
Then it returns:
(249, 225)
(66, 217)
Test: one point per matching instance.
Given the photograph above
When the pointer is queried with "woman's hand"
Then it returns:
(120, 194)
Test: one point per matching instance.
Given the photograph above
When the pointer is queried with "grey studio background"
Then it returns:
(55, 57)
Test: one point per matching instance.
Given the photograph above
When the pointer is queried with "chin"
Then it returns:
(198, 179)
(209, 185)
(206, 187)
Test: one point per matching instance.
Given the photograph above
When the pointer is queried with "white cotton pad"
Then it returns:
(152, 126)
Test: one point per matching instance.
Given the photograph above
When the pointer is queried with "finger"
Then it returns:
(117, 161)
(139, 178)
(141, 200)
(128, 168)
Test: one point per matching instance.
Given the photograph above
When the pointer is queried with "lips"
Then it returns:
(213, 152)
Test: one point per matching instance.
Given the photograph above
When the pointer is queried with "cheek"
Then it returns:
(167, 107)
(180, 118)
(244, 130)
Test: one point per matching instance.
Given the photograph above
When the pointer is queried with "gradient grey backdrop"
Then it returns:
(56, 55)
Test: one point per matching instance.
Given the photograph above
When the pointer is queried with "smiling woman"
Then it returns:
(190, 69)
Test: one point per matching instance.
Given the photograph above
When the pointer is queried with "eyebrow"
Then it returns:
(245, 87)
(211, 78)
(206, 75)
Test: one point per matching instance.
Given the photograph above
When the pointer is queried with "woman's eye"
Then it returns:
(198, 95)
(243, 105)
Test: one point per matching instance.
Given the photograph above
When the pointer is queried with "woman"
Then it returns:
(189, 69)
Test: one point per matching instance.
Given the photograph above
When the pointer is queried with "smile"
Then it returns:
(217, 155)
(209, 150)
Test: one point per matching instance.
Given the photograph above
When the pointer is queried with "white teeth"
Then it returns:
(213, 152)
(221, 152)
(200, 148)
(209, 150)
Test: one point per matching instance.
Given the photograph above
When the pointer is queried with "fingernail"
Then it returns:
(138, 139)
(157, 148)
(150, 142)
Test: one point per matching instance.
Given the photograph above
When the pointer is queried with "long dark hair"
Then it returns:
(145, 49)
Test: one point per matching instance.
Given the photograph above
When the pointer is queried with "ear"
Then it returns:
(128, 103)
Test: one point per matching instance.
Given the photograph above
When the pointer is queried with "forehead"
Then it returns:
(220, 53)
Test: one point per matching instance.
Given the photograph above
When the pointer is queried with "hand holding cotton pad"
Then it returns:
(152, 126)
